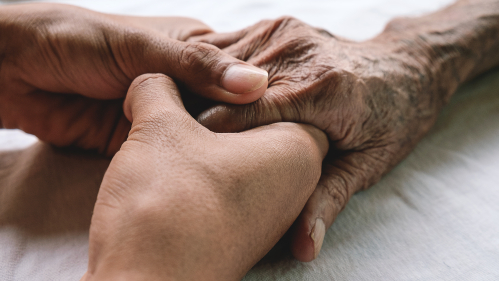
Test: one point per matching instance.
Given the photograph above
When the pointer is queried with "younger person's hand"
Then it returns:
(64, 70)
(180, 202)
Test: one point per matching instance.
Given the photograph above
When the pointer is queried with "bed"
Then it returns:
(434, 217)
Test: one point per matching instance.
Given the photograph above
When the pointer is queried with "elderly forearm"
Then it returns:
(450, 46)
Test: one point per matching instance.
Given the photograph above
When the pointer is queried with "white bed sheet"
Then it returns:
(434, 217)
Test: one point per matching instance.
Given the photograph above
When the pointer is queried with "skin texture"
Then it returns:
(179, 202)
(375, 100)
(64, 70)
(47, 191)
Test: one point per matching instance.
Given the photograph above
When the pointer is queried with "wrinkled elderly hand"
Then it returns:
(375, 99)
(65, 70)
(180, 202)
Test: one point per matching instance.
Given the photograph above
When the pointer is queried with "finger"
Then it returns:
(179, 28)
(244, 44)
(340, 179)
(154, 106)
(268, 109)
(220, 40)
(203, 68)
(152, 93)
(108, 54)
(68, 120)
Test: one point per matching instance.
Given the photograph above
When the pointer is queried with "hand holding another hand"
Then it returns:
(375, 99)
(180, 202)
(65, 70)
(368, 105)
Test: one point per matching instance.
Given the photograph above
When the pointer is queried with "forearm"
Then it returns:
(450, 46)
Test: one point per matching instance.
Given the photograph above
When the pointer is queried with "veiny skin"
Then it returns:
(64, 70)
(179, 202)
(375, 99)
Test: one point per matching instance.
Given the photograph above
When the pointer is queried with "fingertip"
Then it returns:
(216, 75)
(308, 239)
(302, 244)
(134, 89)
(317, 234)
(150, 93)
(244, 83)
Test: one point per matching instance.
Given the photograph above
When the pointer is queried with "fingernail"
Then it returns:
(241, 78)
(317, 236)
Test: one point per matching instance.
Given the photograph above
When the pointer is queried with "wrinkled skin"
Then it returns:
(64, 70)
(375, 99)
(179, 202)
(341, 88)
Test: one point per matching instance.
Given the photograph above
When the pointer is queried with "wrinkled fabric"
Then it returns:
(434, 217)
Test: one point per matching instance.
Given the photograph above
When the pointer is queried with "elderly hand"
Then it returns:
(375, 99)
(65, 70)
(180, 202)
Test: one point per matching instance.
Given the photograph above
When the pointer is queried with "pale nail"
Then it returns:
(317, 235)
(241, 78)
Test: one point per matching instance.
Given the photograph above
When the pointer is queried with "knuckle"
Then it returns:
(299, 28)
(197, 57)
(374, 163)
(337, 190)
(397, 24)
(281, 22)
(147, 83)
(146, 80)
(281, 27)
(258, 113)
(288, 20)
(325, 33)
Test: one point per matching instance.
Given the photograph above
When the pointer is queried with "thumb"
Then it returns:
(340, 179)
(203, 68)
(154, 107)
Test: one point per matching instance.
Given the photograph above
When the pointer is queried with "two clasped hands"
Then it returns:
(205, 197)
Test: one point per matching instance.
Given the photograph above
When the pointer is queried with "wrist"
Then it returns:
(430, 66)
(431, 74)
(449, 47)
